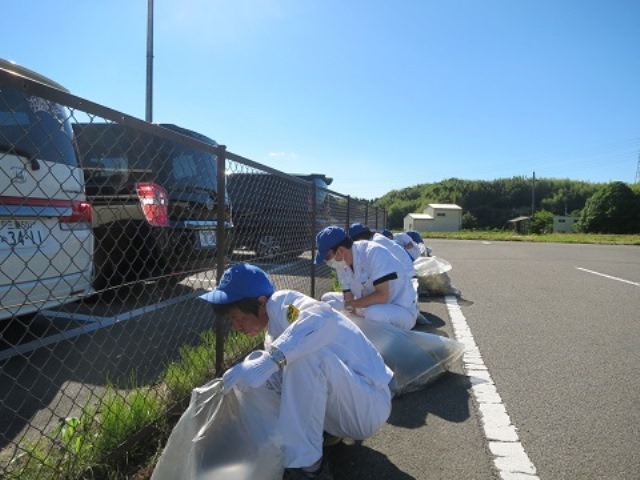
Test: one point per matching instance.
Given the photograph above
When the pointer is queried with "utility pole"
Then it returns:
(149, 104)
(638, 170)
(533, 194)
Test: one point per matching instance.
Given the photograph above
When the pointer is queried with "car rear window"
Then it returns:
(185, 167)
(35, 127)
(115, 156)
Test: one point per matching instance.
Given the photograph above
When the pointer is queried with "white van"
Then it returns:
(46, 242)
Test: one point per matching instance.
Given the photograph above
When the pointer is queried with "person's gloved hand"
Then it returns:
(252, 372)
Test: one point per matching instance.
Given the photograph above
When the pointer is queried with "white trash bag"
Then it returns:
(230, 437)
(416, 358)
(433, 278)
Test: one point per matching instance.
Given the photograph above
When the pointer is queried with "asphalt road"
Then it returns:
(559, 342)
(557, 337)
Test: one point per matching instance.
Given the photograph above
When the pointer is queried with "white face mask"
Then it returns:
(336, 264)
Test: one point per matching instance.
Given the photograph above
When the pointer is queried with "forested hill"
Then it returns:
(489, 203)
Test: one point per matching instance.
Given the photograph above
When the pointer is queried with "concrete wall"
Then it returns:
(419, 224)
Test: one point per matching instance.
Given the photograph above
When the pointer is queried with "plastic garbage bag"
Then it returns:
(416, 358)
(425, 251)
(431, 266)
(433, 278)
(230, 437)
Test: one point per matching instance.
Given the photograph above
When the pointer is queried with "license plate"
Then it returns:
(16, 233)
(207, 238)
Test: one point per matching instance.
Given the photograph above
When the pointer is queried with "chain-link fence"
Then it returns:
(110, 229)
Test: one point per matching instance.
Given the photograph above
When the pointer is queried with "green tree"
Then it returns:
(469, 221)
(491, 202)
(615, 208)
(542, 222)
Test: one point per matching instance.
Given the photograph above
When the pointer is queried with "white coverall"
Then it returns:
(398, 251)
(373, 263)
(404, 240)
(334, 379)
(406, 259)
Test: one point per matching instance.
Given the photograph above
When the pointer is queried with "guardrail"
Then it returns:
(103, 254)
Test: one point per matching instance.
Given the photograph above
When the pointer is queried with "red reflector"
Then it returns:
(80, 216)
(80, 212)
(153, 199)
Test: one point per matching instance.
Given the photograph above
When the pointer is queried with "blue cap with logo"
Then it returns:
(387, 233)
(356, 229)
(239, 281)
(326, 239)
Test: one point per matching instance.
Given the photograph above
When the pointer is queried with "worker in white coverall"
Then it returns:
(375, 284)
(425, 250)
(358, 231)
(324, 373)
(409, 245)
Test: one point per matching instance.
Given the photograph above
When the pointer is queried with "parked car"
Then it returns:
(45, 221)
(154, 202)
(272, 214)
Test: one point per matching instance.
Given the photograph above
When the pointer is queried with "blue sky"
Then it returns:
(379, 95)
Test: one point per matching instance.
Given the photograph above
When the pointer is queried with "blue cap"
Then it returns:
(387, 233)
(356, 229)
(239, 281)
(415, 236)
(326, 239)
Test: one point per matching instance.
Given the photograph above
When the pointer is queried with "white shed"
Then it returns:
(437, 217)
(564, 223)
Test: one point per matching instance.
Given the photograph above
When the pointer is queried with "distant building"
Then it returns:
(564, 223)
(520, 225)
(437, 217)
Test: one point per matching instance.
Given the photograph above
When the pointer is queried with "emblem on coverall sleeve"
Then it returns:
(292, 313)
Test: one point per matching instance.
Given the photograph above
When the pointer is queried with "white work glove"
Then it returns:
(252, 372)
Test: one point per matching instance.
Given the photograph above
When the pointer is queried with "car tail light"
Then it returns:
(153, 199)
(80, 218)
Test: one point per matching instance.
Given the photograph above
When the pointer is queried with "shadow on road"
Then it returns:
(354, 461)
(447, 398)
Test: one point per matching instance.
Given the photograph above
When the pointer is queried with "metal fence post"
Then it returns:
(366, 215)
(348, 212)
(221, 242)
(314, 227)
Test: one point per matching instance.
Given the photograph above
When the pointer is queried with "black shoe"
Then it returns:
(329, 440)
(299, 474)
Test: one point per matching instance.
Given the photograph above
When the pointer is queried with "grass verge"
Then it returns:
(121, 434)
(587, 238)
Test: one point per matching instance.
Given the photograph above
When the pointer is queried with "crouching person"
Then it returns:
(375, 284)
(325, 374)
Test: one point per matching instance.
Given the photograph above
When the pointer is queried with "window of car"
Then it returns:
(184, 166)
(35, 127)
(188, 166)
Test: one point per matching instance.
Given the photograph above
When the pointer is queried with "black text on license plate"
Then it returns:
(22, 237)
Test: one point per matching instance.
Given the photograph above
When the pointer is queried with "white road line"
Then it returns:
(508, 453)
(610, 277)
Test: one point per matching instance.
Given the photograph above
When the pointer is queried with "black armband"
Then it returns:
(386, 278)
